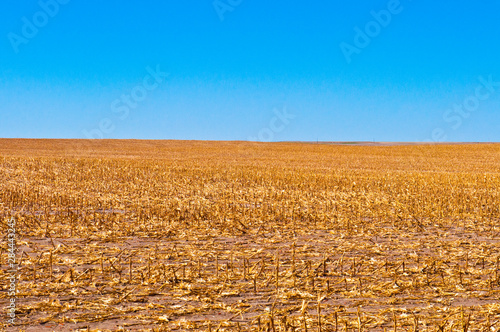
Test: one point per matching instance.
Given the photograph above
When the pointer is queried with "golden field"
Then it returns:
(237, 236)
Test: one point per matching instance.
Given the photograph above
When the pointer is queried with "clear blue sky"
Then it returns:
(233, 68)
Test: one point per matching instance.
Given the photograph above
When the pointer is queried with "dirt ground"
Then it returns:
(187, 237)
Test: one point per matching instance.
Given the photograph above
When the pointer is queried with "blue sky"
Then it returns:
(259, 70)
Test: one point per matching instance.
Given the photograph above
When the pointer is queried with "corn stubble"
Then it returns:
(233, 236)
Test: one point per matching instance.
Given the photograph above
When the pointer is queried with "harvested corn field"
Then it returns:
(239, 236)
